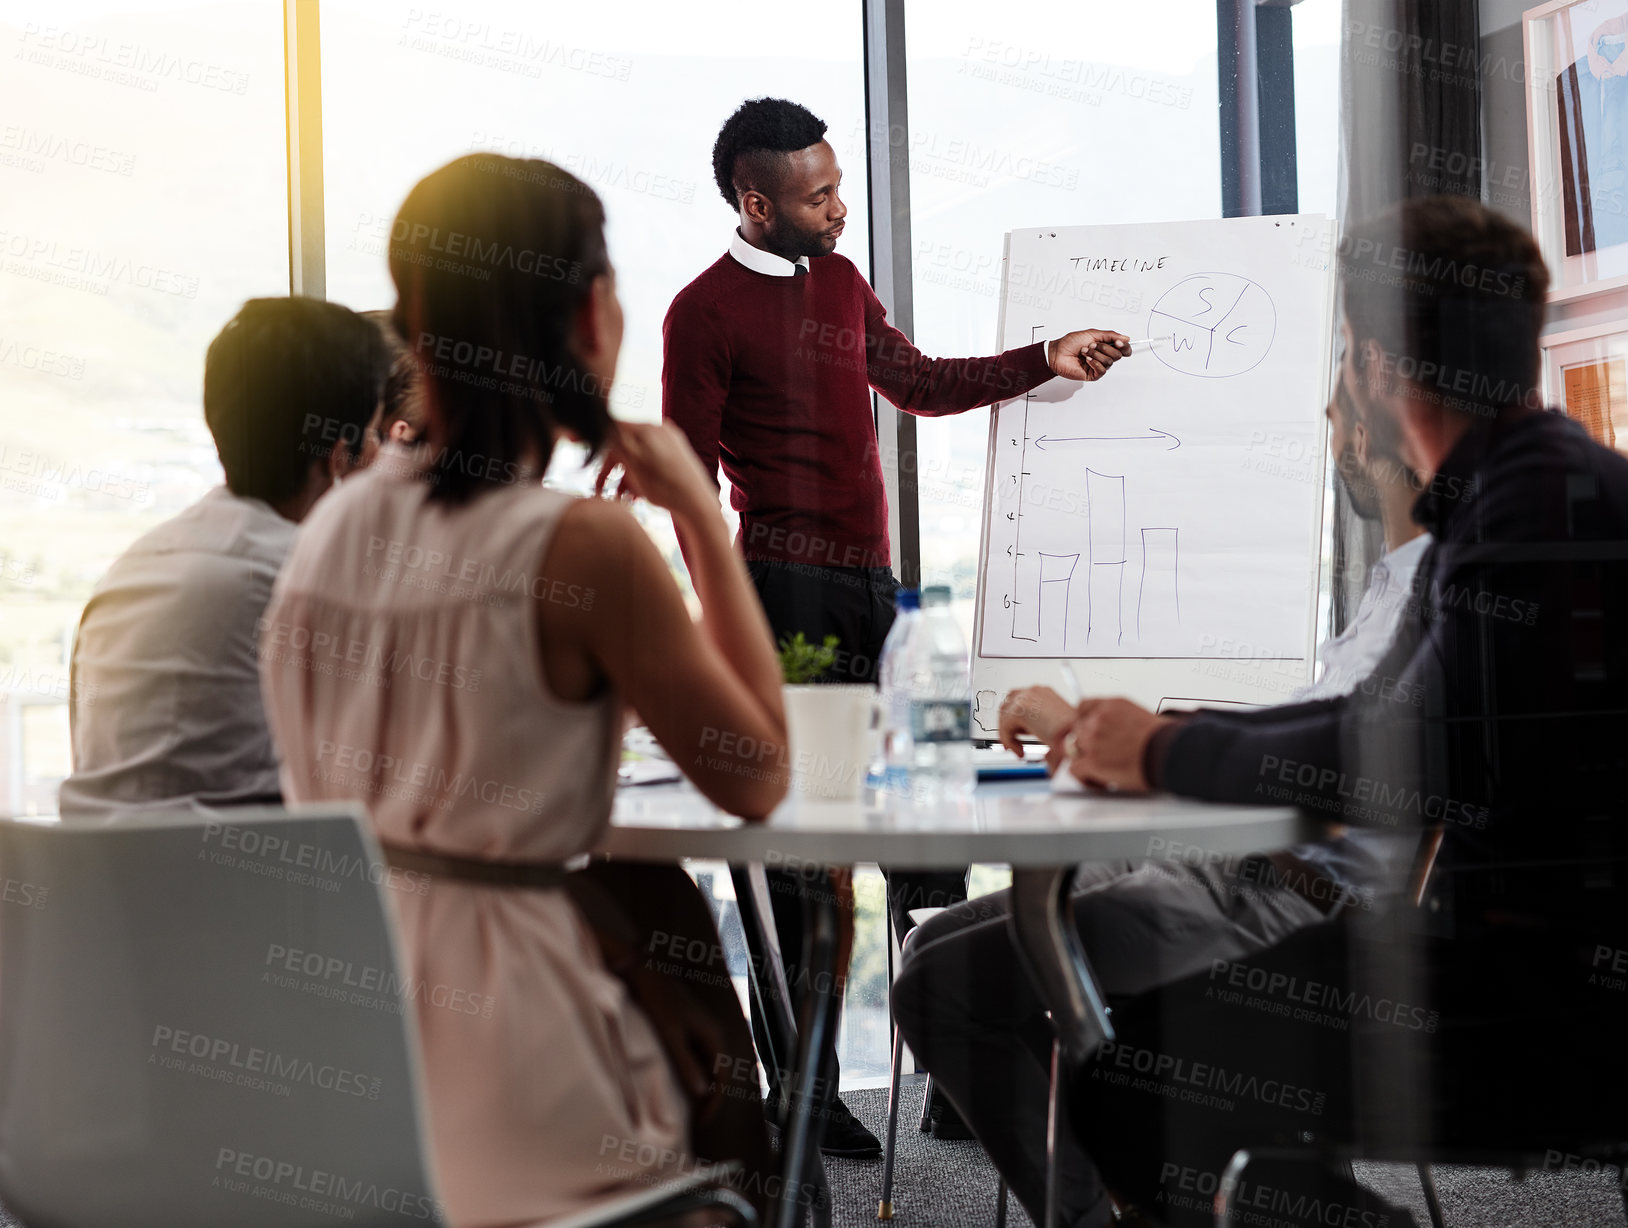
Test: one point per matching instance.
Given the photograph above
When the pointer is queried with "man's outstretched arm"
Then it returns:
(931, 387)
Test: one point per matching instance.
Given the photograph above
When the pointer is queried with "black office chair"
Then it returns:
(1519, 1125)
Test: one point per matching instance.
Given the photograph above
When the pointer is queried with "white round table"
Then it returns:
(1042, 835)
(1018, 823)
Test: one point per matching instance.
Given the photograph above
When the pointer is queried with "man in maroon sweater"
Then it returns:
(769, 359)
(770, 356)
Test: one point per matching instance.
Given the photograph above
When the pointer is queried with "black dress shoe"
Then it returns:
(846, 1136)
(945, 1122)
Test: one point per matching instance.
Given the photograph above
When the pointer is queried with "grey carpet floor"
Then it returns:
(936, 1184)
(952, 1185)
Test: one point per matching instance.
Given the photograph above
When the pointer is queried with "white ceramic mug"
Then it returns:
(833, 733)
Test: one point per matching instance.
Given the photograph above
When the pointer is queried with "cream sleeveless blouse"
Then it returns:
(401, 666)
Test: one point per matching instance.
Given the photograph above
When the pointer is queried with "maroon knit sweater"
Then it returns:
(772, 377)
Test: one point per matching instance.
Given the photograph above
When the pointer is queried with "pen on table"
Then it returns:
(1071, 693)
(1071, 684)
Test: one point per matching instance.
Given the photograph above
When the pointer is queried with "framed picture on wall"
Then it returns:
(1585, 372)
(1577, 132)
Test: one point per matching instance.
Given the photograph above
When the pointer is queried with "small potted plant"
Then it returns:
(832, 727)
(802, 663)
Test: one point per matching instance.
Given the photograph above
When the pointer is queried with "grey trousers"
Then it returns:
(971, 1015)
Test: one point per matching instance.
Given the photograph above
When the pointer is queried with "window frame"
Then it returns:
(887, 144)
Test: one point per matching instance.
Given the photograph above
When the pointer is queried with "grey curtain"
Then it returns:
(1410, 118)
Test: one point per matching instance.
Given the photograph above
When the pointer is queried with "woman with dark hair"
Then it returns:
(455, 644)
(402, 420)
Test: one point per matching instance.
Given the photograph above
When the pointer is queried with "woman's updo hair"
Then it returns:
(493, 257)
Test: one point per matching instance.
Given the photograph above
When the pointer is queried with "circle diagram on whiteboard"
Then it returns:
(1213, 324)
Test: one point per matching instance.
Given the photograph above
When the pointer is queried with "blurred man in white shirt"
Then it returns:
(1378, 487)
(1152, 922)
(166, 681)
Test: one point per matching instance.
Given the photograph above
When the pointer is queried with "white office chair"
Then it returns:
(162, 1067)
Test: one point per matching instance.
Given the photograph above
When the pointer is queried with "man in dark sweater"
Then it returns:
(1497, 717)
(769, 359)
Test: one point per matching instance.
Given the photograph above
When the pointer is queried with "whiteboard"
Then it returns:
(1160, 528)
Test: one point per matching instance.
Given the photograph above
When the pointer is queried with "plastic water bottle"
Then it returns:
(927, 693)
(941, 703)
(891, 772)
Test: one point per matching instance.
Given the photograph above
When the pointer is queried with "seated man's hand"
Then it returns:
(1041, 713)
(1106, 745)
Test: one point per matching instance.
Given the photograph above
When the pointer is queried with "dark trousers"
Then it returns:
(1483, 1026)
(855, 604)
(970, 1013)
(1200, 1069)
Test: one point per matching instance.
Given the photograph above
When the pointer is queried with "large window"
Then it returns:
(627, 96)
(1317, 104)
(1024, 115)
(143, 197)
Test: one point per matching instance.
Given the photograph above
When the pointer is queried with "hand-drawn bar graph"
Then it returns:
(1126, 521)
(1105, 503)
(1043, 591)
(1158, 595)
(1056, 579)
(1043, 614)
(1026, 611)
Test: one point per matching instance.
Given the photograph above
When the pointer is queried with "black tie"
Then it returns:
(799, 270)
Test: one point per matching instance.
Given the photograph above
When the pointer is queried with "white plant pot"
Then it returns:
(833, 732)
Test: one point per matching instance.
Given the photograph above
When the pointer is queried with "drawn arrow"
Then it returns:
(1153, 434)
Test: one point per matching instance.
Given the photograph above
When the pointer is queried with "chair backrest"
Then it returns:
(203, 1021)
(1424, 862)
